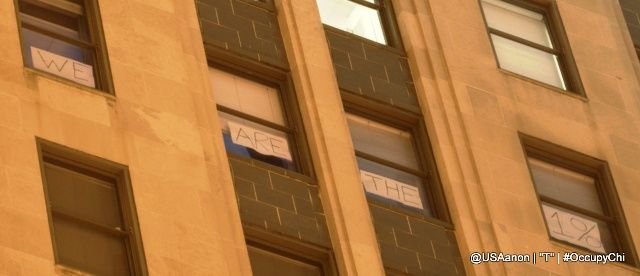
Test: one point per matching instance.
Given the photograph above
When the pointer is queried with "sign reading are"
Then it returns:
(391, 189)
(260, 141)
(63, 67)
(573, 229)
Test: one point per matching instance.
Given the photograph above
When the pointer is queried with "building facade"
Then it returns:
(319, 137)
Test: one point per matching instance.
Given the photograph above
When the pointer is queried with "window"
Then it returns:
(254, 121)
(273, 255)
(267, 263)
(91, 213)
(62, 37)
(526, 40)
(578, 199)
(390, 169)
(359, 17)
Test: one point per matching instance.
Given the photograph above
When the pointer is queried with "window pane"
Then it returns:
(51, 19)
(351, 17)
(82, 196)
(578, 229)
(59, 47)
(564, 185)
(517, 21)
(89, 250)
(247, 96)
(382, 141)
(265, 263)
(391, 194)
(527, 61)
(266, 150)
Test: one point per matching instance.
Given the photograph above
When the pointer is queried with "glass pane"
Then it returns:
(272, 152)
(564, 185)
(53, 19)
(579, 229)
(351, 17)
(89, 250)
(382, 141)
(59, 47)
(393, 193)
(247, 96)
(529, 62)
(517, 21)
(265, 263)
(82, 196)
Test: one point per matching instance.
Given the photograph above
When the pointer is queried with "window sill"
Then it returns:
(393, 49)
(67, 271)
(575, 95)
(267, 5)
(35, 73)
(293, 174)
(570, 248)
(444, 224)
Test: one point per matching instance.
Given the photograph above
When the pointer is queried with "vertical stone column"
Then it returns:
(348, 217)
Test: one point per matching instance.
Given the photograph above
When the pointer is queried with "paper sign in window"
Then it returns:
(260, 141)
(574, 229)
(391, 189)
(63, 67)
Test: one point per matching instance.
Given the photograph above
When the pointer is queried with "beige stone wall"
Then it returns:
(476, 110)
(162, 124)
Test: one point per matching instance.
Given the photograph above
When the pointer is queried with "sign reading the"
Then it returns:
(391, 189)
(260, 141)
(573, 229)
(63, 67)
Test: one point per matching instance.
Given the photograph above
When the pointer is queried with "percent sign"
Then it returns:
(586, 232)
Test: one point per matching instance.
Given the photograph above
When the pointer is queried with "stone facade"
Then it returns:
(193, 199)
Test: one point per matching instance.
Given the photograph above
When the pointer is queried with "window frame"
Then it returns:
(613, 214)
(96, 44)
(413, 124)
(387, 21)
(264, 74)
(562, 49)
(291, 248)
(95, 167)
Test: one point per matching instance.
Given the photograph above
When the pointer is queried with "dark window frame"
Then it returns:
(99, 168)
(605, 187)
(261, 73)
(388, 22)
(414, 124)
(562, 48)
(292, 248)
(264, 4)
(96, 43)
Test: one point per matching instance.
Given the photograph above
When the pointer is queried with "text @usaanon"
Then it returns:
(477, 258)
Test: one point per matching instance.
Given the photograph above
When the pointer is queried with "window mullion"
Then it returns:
(366, 4)
(75, 42)
(92, 224)
(576, 209)
(390, 164)
(255, 119)
(524, 41)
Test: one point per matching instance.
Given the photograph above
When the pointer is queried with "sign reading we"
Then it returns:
(260, 141)
(391, 189)
(63, 67)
